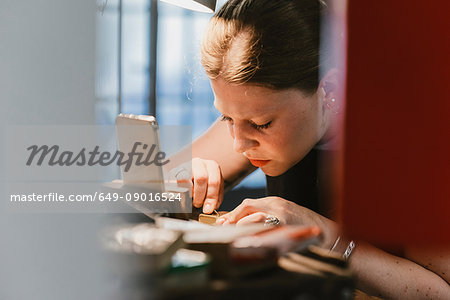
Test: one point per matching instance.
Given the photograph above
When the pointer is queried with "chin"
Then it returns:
(272, 171)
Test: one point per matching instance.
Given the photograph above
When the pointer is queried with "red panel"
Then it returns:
(397, 148)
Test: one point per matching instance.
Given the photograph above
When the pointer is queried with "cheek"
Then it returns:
(306, 126)
(292, 140)
(277, 143)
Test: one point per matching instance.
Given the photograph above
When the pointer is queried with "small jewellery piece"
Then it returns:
(333, 106)
(271, 221)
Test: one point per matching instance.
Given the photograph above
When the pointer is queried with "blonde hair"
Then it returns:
(265, 42)
(228, 51)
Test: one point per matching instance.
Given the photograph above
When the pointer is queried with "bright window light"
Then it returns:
(193, 5)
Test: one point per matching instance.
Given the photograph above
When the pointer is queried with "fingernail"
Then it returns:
(207, 208)
(220, 220)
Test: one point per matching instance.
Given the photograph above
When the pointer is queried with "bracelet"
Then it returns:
(335, 244)
(348, 251)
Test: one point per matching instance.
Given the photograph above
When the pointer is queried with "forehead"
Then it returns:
(247, 101)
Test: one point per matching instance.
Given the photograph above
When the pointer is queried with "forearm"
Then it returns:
(390, 277)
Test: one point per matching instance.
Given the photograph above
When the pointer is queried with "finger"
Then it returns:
(258, 217)
(213, 188)
(246, 208)
(200, 178)
(222, 185)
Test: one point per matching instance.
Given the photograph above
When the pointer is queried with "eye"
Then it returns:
(226, 119)
(263, 126)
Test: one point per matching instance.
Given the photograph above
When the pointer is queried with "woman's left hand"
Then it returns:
(257, 211)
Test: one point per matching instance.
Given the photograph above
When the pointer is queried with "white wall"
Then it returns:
(47, 52)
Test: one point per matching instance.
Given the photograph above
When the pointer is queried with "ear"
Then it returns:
(328, 91)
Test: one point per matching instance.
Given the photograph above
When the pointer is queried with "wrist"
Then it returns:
(334, 240)
(343, 247)
(330, 232)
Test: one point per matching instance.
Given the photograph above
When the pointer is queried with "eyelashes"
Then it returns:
(225, 118)
(256, 126)
(263, 126)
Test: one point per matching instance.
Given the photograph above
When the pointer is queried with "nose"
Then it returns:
(243, 140)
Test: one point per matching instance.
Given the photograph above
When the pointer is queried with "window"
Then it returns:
(124, 66)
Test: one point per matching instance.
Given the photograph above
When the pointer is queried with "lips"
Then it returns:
(259, 162)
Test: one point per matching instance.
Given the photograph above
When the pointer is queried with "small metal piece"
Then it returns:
(210, 218)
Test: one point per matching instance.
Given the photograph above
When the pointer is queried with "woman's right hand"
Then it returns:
(205, 177)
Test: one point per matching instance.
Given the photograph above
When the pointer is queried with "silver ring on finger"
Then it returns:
(271, 221)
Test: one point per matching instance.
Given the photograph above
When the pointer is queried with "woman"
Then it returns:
(279, 113)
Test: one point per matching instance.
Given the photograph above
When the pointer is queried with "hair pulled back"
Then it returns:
(271, 43)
